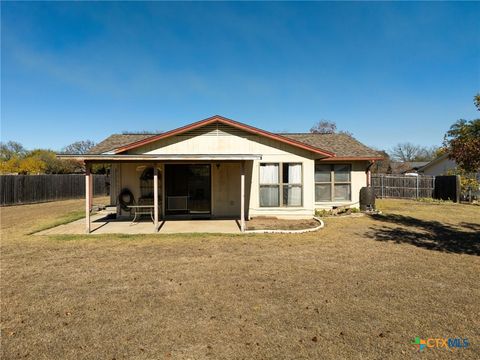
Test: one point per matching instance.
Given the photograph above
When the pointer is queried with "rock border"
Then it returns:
(349, 216)
(274, 231)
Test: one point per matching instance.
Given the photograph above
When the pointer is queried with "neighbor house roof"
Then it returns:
(433, 162)
(400, 167)
(332, 146)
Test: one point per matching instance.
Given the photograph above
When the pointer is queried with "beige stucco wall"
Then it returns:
(358, 180)
(237, 142)
(226, 176)
(226, 187)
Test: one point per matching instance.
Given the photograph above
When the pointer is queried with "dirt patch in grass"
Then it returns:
(345, 292)
(271, 223)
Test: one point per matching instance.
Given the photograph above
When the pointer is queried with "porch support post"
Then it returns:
(87, 197)
(242, 196)
(91, 190)
(155, 196)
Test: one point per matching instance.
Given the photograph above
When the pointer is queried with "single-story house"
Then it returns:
(221, 168)
(441, 165)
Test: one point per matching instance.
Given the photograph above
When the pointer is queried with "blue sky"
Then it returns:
(387, 72)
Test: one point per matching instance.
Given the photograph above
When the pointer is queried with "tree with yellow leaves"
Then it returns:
(31, 165)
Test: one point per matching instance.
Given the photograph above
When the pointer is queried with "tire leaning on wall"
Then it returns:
(125, 199)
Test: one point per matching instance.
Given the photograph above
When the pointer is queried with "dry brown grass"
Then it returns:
(350, 291)
(270, 223)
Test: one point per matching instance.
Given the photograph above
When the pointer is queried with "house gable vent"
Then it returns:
(215, 129)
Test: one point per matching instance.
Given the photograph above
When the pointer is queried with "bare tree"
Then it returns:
(408, 152)
(11, 149)
(78, 147)
(345, 132)
(324, 127)
(141, 132)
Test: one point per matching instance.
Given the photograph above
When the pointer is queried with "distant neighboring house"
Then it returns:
(220, 168)
(442, 165)
(439, 166)
(401, 167)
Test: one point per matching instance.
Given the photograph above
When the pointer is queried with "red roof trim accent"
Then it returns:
(223, 120)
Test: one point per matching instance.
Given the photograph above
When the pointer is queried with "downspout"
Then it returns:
(368, 173)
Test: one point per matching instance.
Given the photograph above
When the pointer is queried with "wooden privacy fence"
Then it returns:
(28, 189)
(404, 187)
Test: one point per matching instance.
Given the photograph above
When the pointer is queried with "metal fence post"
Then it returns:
(417, 186)
(383, 191)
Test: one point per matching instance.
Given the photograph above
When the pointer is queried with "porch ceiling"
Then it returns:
(160, 157)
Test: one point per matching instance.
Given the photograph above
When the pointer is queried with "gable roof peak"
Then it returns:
(227, 121)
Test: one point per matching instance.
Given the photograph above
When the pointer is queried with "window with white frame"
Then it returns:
(269, 185)
(333, 182)
(280, 184)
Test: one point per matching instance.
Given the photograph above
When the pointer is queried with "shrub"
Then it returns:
(323, 212)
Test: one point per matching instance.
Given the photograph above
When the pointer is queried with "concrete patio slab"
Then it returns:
(204, 226)
(102, 225)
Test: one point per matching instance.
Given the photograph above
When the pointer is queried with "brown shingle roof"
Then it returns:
(115, 141)
(341, 144)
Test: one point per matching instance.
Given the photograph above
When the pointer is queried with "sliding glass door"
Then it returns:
(188, 189)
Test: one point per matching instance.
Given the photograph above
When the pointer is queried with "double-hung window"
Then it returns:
(332, 182)
(280, 184)
(269, 185)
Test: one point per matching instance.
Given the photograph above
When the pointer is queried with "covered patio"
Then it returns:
(182, 187)
(100, 223)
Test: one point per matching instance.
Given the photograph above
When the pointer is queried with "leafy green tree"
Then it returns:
(468, 181)
(476, 100)
(463, 144)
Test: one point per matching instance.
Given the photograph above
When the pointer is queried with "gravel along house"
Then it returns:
(220, 168)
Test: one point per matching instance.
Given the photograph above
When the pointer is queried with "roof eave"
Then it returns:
(353, 158)
(158, 157)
